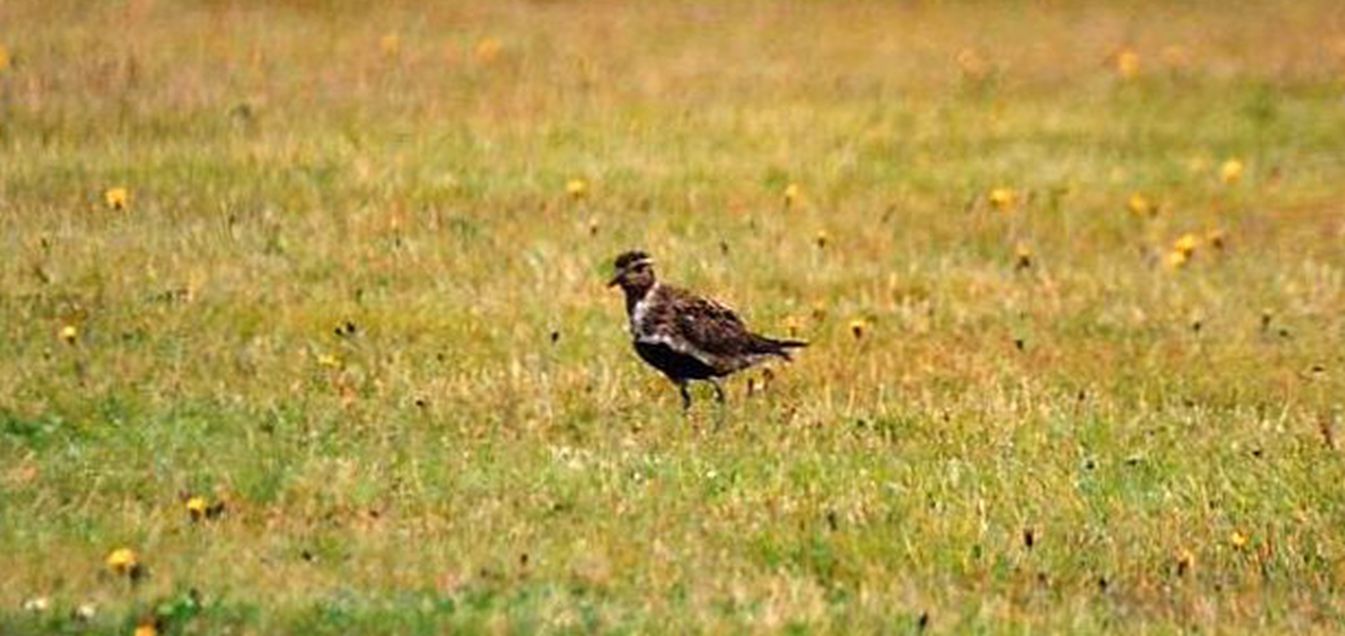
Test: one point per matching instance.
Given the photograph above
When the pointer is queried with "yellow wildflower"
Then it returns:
(122, 561)
(117, 198)
(69, 333)
(857, 328)
(329, 360)
(1140, 205)
(1237, 539)
(1215, 238)
(1127, 64)
(576, 188)
(1004, 199)
(1231, 171)
(792, 194)
(196, 507)
(1176, 260)
(819, 310)
(146, 629)
(1186, 244)
(822, 238)
(1022, 256)
(792, 326)
(1186, 561)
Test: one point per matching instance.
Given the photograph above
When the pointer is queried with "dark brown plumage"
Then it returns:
(688, 337)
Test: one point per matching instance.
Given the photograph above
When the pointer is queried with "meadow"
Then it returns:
(303, 325)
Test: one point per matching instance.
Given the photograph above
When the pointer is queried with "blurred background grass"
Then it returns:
(352, 288)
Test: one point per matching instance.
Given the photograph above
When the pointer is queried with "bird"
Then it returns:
(686, 336)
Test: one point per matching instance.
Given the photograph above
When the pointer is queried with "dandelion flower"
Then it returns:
(1237, 539)
(1004, 199)
(1186, 561)
(1022, 256)
(819, 310)
(1176, 259)
(576, 188)
(122, 561)
(1140, 205)
(858, 327)
(196, 507)
(792, 194)
(1215, 238)
(1231, 171)
(117, 198)
(1128, 64)
(1186, 244)
(69, 333)
(821, 239)
(487, 50)
(391, 44)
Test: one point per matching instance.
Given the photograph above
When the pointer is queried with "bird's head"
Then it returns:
(634, 271)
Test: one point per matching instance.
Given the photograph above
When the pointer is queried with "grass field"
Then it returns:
(1073, 273)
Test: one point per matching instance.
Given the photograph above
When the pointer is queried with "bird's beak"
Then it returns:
(615, 279)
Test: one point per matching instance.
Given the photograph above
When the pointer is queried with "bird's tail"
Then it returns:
(776, 346)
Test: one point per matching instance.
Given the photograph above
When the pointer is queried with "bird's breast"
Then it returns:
(639, 315)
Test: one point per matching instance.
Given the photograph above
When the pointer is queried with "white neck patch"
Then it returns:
(637, 313)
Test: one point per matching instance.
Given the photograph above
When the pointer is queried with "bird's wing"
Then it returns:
(710, 327)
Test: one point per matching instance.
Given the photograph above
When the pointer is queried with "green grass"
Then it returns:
(1164, 437)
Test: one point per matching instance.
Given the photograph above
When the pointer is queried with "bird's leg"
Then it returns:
(719, 390)
(686, 395)
(719, 397)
